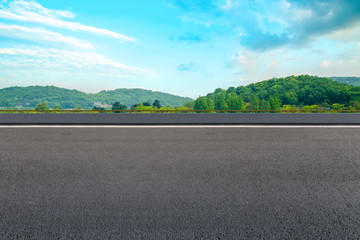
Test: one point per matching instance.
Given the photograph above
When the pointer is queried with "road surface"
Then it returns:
(179, 183)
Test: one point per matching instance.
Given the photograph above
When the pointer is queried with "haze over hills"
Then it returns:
(355, 81)
(29, 97)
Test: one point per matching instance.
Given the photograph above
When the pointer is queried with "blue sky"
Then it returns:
(184, 47)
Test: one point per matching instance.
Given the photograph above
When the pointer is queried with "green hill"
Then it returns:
(29, 97)
(275, 93)
(354, 81)
(130, 97)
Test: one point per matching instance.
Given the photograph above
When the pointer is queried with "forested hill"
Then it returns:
(355, 81)
(276, 93)
(29, 97)
(132, 96)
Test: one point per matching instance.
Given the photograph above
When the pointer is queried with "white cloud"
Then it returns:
(65, 61)
(41, 35)
(350, 34)
(229, 4)
(325, 64)
(31, 11)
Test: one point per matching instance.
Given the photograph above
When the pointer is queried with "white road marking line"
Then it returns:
(179, 126)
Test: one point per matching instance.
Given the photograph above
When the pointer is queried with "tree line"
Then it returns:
(117, 107)
(291, 93)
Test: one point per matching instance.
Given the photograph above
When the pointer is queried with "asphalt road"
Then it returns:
(180, 118)
(179, 183)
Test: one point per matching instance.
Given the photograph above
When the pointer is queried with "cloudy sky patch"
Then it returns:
(155, 44)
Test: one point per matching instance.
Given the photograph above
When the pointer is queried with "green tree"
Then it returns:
(355, 105)
(41, 107)
(146, 104)
(97, 108)
(289, 108)
(241, 103)
(337, 106)
(57, 107)
(118, 106)
(220, 102)
(145, 109)
(275, 103)
(312, 107)
(234, 102)
(254, 102)
(133, 107)
(210, 104)
(203, 103)
(157, 104)
(231, 90)
(265, 105)
(189, 105)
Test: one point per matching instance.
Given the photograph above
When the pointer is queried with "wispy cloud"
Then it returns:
(31, 11)
(189, 38)
(65, 61)
(41, 35)
(185, 67)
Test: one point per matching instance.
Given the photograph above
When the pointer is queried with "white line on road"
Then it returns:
(180, 126)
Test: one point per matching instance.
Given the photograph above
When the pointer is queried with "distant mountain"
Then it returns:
(129, 97)
(355, 81)
(29, 97)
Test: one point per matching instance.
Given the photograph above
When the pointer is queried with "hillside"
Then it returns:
(273, 94)
(131, 96)
(354, 81)
(29, 97)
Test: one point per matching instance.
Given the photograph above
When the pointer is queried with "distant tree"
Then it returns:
(337, 106)
(57, 107)
(233, 101)
(220, 102)
(218, 90)
(275, 103)
(144, 109)
(189, 105)
(254, 102)
(41, 107)
(355, 94)
(289, 108)
(241, 103)
(210, 104)
(133, 107)
(157, 104)
(203, 103)
(265, 105)
(355, 105)
(97, 108)
(312, 107)
(183, 108)
(146, 104)
(231, 90)
(118, 106)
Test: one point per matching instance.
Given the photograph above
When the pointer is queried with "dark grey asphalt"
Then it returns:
(181, 118)
(188, 183)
